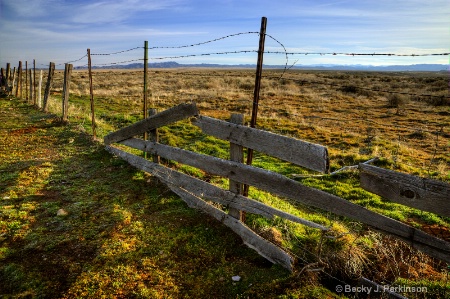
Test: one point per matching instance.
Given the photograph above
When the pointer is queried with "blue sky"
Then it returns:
(62, 30)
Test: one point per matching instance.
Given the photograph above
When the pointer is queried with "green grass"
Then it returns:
(126, 235)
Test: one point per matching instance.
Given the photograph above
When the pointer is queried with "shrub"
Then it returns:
(396, 100)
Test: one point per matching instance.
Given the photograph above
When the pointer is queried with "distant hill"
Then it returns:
(335, 67)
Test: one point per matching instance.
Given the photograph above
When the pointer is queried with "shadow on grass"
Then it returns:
(89, 225)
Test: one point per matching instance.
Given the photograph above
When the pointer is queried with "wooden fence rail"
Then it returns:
(308, 155)
(420, 193)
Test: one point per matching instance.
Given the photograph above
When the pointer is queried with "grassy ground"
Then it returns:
(77, 222)
(119, 233)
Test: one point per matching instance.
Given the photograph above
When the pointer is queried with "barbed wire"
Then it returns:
(114, 53)
(204, 54)
(118, 62)
(76, 60)
(205, 42)
(299, 53)
(358, 54)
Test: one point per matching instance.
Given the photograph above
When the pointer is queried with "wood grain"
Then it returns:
(305, 154)
(416, 192)
(163, 118)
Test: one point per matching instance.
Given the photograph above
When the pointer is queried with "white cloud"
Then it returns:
(27, 8)
(117, 11)
(65, 28)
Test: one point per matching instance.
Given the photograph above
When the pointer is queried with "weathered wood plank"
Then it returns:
(210, 192)
(416, 192)
(305, 154)
(263, 247)
(237, 155)
(153, 135)
(283, 186)
(163, 118)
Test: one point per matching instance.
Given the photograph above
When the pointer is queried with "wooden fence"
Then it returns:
(11, 83)
(420, 193)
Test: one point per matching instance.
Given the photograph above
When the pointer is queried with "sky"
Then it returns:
(62, 30)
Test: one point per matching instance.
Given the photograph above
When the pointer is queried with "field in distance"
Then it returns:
(401, 117)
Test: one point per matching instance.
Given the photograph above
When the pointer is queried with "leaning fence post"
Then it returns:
(237, 155)
(66, 86)
(48, 86)
(19, 81)
(13, 83)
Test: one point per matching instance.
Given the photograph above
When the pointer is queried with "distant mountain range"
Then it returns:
(331, 67)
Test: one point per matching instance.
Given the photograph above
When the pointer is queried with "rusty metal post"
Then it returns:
(91, 91)
(145, 88)
(262, 38)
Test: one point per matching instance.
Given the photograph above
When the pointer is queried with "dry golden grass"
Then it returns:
(350, 112)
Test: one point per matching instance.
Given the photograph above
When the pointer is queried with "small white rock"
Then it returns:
(61, 212)
(236, 278)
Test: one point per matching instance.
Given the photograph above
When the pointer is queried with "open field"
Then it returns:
(323, 107)
(125, 235)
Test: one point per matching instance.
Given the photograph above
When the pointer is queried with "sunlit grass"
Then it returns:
(126, 235)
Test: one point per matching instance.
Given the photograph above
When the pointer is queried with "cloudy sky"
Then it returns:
(62, 30)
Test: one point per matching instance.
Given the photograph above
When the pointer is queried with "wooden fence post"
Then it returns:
(19, 81)
(39, 96)
(66, 87)
(34, 83)
(30, 73)
(26, 81)
(7, 77)
(13, 83)
(91, 91)
(153, 134)
(48, 86)
(2, 81)
(236, 155)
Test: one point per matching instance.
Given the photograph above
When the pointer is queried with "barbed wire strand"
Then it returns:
(115, 53)
(358, 54)
(205, 42)
(79, 59)
(118, 62)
